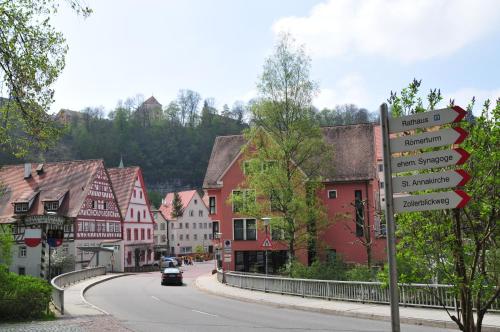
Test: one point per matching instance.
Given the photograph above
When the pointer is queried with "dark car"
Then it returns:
(171, 276)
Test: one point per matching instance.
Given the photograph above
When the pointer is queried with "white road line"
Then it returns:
(204, 313)
(154, 297)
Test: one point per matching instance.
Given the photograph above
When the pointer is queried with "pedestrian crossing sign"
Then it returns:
(267, 243)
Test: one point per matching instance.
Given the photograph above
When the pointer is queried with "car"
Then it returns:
(171, 275)
(165, 262)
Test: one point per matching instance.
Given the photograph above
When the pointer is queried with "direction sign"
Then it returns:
(227, 258)
(267, 243)
(429, 139)
(427, 119)
(434, 201)
(436, 159)
(440, 180)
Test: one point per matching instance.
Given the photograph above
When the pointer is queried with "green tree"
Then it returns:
(32, 56)
(286, 151)
(177, 208)
(6, 241)
(459, 247)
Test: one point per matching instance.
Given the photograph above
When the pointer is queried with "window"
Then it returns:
(186, 250)
(181, 237)
(380, 167)
(21, 270)
(332, 194)
(131, 213)
(162, 226)
(140, 193)
(187, 237)
(93, 204)
(128, 234)
(209, 225)
(195, 201)
(191, 213)
(22, 251)
(358, 206)
(149, 233)
(142, 234)
(268, 164)
(20, 207)
(195, 237)
(210, 236)
(134, 193)
(215, 227)
(187, 225)
(381, 184)
(144, 214)
(211, 205)
(104, 206)
(241, 198)
(200, 213)
(244, 229)
(136, 234)
(51, 206)
(139, 216)
(200, 225)
(205, 236)
(205, 225)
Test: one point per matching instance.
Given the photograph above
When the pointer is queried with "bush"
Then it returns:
(334, 269)
(22, 297)
(361, 273)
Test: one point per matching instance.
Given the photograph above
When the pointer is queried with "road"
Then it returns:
(140, 303)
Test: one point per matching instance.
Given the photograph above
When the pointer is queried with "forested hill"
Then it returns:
(172, 155)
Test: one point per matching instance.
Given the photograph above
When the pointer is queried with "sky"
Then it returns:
(360, 50)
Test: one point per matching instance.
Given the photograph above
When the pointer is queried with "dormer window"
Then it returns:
(51, 206)
(20, 207)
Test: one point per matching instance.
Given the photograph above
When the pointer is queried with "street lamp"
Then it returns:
(266, 221)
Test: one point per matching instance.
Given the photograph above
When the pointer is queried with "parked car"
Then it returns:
(165, 262)
(171, 275)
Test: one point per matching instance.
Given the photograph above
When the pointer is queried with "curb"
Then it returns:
(82, 293)
(404, 320)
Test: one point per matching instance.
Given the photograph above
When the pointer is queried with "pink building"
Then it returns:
(138, 224)
(352, 184)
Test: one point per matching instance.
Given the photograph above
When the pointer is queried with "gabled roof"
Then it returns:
(353, 146)
(151, 101)
(72, 177)
(123, 180)
(186, 197)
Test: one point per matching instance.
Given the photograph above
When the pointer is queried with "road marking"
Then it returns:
(204, 313)
(154, 297)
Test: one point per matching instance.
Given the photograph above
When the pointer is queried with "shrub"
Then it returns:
(361, 273)
(22, 297)
(333, 269)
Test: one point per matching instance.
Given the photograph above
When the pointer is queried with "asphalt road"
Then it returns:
(140, 303)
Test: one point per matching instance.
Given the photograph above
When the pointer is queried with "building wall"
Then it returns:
(203, 235)
(138, 223)
(161, 235)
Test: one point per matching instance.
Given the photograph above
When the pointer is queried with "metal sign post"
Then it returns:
(391, 229)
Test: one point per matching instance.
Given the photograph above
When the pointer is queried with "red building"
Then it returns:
(354, 178)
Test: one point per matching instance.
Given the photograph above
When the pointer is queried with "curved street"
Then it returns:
(140, 303)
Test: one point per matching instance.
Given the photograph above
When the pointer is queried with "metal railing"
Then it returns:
(58, 283)
(416, 295)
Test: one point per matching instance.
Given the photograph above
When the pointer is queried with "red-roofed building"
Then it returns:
(193, 228)
(138, 224)
(353, 176)
(73, 196)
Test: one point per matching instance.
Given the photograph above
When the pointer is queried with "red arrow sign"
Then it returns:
(435, 201)
(435, 180)
(427, 119)
(435, 159)
(430, 139)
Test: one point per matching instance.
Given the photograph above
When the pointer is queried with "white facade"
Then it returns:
(138, 229)
(193, 229)
(161, 234)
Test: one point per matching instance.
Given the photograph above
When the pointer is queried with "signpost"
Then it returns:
(431, 139)
(267, 242)
(436, 159)
(441, 180)
(417, 182)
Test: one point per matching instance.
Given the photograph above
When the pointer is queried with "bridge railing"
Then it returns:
(58, 283)
(416, 295)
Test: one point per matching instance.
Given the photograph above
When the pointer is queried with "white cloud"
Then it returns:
(463, 97)
(405, 30)
(348, 90)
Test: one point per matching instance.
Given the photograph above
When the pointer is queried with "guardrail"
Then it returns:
(416, 295)
(58, 283)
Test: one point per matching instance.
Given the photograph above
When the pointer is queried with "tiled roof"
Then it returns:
(185, 196)
(122, 180)
(72, 177)
(353, 146)
(225, 149)
(151, 101)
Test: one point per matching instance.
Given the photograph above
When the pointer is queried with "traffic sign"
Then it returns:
(439, 180)
(267, 242)
(429, 139)
(435, 201)
(427, 119)
(32, 237)
(435, 159)
(227, 246)
(227, 258)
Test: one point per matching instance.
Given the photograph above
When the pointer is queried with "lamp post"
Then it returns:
(266, 226)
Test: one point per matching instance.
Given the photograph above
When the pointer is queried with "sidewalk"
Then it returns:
(74, 301)
(408, 315)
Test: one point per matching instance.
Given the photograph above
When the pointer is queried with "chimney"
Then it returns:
(163, 201)
(27, 170)
(39, 169)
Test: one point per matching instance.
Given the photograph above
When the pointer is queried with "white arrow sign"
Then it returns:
(429, 139)
(440, 180)
(427, 119)
(436, 159)
(435, 201)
